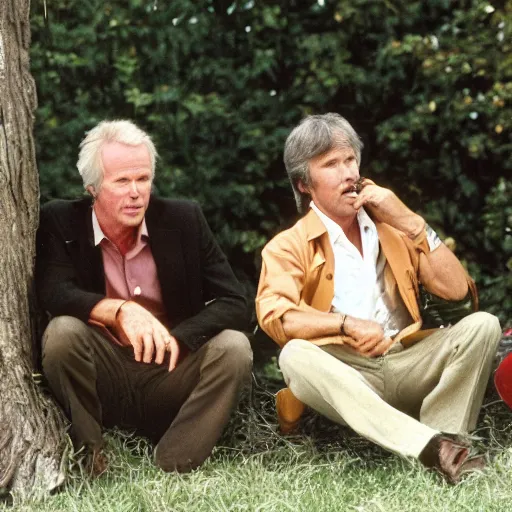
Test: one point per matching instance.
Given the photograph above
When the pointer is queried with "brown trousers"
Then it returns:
(185, 411)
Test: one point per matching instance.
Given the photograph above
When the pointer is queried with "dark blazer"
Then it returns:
(200, 292)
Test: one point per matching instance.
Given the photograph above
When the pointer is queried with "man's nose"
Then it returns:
(134, 190)
(350, 173)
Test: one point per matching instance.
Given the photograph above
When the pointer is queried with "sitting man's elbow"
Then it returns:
(461, 291)
(455, 290)
(288, 326)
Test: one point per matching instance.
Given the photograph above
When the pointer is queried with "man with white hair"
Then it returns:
(339, 292)
(146, 311)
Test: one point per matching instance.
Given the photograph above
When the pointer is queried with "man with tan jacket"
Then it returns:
(339, 292)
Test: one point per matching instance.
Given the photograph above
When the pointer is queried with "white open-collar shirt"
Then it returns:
(359, 287)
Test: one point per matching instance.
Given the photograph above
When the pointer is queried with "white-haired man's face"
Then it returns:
(124, 194)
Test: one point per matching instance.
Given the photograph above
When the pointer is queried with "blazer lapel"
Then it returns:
(167, 250)
(81, 239)
(92, 254)
(398, 259)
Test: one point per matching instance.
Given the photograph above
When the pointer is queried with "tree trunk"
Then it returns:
(31, 427)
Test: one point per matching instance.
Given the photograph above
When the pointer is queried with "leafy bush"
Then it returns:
(220, 84)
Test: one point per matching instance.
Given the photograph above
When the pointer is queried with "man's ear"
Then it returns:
(91, 190)
(302, 188)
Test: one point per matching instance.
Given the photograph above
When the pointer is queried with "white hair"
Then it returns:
(125, 132)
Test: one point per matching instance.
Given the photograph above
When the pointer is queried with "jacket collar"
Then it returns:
(99, 235)
(315, 228)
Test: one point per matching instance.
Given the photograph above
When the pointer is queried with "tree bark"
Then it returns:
(32, 437)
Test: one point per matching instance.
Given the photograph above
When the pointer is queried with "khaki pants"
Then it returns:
(100, 384)
(402, 399)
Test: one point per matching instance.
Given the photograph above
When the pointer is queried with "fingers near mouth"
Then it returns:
(353, 190)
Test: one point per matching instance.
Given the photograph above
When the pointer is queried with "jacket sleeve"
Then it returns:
(56, 279)
(418, 249)
(282, 279)
(226, 306)
(279, 290)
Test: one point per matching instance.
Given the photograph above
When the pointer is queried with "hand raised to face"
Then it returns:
(373, 197)
(385, 206)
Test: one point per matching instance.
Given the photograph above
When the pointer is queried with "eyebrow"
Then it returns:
(323, 159)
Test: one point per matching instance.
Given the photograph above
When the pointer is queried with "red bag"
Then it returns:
(503, 375)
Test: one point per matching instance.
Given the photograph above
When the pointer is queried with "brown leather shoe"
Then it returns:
(289, 411)
(449, 456)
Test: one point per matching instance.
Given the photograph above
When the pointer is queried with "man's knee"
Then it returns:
(489, 324)
(61, 338)
(303, 365)
(233, 351)
(478, 336)
(293, 355)
(486, 327)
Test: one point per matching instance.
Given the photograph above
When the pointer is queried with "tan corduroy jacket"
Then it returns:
(298, 274)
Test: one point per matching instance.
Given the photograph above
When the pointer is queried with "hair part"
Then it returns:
(316, 135)
(122, 131)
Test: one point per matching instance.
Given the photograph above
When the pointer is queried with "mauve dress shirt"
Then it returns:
(132, 276)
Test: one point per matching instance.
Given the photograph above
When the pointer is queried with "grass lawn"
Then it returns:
(326, 468)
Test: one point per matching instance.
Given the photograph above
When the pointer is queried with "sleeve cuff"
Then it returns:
(426, 238)
(432, 238)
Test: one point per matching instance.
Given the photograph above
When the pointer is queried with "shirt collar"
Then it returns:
(334, 230)
(99, 235)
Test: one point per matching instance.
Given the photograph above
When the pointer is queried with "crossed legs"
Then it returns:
(401, 400)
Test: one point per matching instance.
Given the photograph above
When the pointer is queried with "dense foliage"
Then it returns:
(219, 85)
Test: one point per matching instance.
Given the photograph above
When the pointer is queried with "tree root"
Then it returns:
(32, 441)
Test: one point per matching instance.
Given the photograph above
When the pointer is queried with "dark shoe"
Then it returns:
(449, 455)
(289, 411)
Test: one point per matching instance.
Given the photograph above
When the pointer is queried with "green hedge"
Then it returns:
(220, 84)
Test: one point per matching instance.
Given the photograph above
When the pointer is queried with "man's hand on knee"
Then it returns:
(150, 340)
(368, 336)
(380, 348)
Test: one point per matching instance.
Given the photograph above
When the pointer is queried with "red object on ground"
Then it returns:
(503, 380)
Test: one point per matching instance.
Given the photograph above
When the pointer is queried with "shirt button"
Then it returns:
(328, 277)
